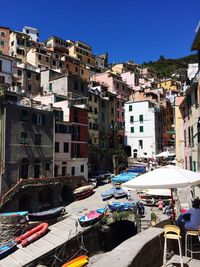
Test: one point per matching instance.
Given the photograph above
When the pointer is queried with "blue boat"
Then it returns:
(123, 177)
(120, 192)
(91, 217)
(137, 169)
(108, 193)
(14, 213)
(7, 249)
(121, 206)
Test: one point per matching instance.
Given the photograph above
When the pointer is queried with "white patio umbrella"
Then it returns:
(167, 177)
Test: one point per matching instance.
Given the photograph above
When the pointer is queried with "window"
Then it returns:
(130, 108)
(190, 163)
(192, 134)
(82, 168)
(75, 115)
(95, 110)
(24, 115)
(54, 62)
(3, 34)
(37, 77)
(73, 171)
(189, 137)
(47, 166)
(112, 110)
(38, 119)
(66, 147)
(82, 72)
(117, 85)
(186, 163)
(117, 104)
(0, 65)
(2, 43)
(75, 85)
(140, 144)
(185, 140)
(131, 118)
(37, 139)
(39, 57)
(82, 87)
(28, 74)
(141, 129)
(63, 170)
(132, 129)
(24, 138)
(27, 31)
(57, 147)
(141, 118)
(2, 79)
(76, 69)
(47, 59)
(19, 72)
(29, 87)
(50, 87)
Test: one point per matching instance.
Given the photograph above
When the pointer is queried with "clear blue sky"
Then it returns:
(139, 30)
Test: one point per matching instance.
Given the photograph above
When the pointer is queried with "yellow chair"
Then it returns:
(172, 232)
(190, 234)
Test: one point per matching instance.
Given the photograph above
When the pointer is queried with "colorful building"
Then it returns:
(4, 40)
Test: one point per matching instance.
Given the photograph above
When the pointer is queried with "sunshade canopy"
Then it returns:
(164, 177)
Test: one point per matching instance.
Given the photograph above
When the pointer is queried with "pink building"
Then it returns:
(122, 92)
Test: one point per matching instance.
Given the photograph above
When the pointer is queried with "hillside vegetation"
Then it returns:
(165, 67)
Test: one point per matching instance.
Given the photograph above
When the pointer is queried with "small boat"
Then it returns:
(77, 262)
(83, 192)
(119, 193)
(14, 213)
(137, 169)
(32, 235)
(7, 249)
(47, 214)
(108, 193)
(121, 206)
(92, 217)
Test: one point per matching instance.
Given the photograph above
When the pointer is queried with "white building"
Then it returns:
(32, 32)
(143, 128)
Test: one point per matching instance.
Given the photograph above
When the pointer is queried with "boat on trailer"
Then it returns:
(7, 249)
(47, 214)
(14, 213)
(32, 235)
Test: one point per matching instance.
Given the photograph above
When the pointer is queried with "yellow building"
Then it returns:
(83, 52)
(168, 84)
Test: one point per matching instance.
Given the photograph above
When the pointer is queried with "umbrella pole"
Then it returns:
(173, 211)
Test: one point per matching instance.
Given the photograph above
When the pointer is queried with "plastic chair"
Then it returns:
(172, 232)
(190, 234)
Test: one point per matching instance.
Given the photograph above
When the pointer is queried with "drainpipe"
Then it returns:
(54, 129)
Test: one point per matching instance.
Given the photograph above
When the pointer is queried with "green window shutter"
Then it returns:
(141, 129)
(132, 129)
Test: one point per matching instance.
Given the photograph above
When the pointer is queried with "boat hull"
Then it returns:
(120, 206)
(83, 192)
(77, 262)
(91, 218)
(7, 249)
(46, 215)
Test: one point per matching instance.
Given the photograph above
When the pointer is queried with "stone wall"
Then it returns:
(40, 194)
